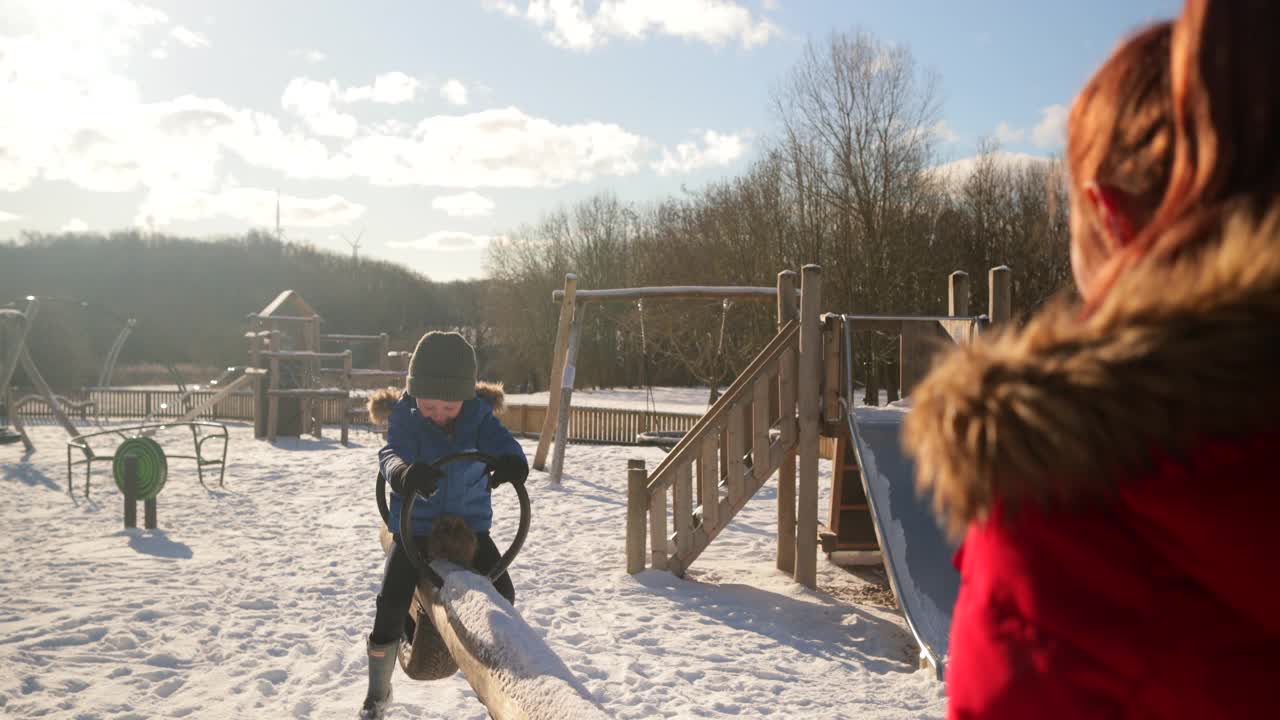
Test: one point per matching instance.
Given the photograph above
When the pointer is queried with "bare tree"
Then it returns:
(858, 124)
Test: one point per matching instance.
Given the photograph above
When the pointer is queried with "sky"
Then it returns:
(420, 131)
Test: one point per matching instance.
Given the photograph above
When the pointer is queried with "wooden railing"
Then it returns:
(766, 422)
(614, 426)
(724, 458)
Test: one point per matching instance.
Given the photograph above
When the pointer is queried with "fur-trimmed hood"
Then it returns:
(382, 401)
(1061, 411)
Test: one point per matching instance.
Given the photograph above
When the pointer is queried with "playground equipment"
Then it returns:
(140, 470)
(462, 623)
(201, 434)
(573, 304)
(14, 328)
(797, 389)
(285, 342)
(13, 336)
(916, 553)
(16, 325)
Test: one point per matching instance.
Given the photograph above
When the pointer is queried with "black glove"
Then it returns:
(419, 477)
(509, 469)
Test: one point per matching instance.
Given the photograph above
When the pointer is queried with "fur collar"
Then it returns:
(1060, 411)
(382, 401)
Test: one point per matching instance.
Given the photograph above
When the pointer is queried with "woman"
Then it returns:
(1112, 465)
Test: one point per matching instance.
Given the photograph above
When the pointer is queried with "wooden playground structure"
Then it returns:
(286, 343)
(770, 420)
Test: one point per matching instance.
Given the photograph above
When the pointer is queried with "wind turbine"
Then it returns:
(355, 246)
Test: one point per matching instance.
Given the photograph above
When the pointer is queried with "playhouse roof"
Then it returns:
(288, 304)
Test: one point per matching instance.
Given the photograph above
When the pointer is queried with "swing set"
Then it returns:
(15, 325)
(573, 304)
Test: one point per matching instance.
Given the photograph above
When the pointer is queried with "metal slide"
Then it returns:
(916, 553)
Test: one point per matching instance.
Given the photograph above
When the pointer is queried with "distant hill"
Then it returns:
(190, 297)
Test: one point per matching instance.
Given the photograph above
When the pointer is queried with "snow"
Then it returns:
(665, 399)
(254, 600)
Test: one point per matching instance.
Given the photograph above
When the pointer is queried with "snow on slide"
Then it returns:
(917, 553)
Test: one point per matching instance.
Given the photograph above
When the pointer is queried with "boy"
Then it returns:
(442, 411)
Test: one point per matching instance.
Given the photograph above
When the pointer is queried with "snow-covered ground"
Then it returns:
(665, 399)
(253, 600)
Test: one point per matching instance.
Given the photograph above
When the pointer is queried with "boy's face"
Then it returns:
(440, 412)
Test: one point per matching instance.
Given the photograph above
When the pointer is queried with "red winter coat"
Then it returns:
(1117, 481)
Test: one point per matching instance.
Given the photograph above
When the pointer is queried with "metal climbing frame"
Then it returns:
(201, 433)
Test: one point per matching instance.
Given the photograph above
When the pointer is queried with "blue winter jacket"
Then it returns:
(464, 490)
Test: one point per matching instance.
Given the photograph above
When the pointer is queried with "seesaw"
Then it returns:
(462, 623)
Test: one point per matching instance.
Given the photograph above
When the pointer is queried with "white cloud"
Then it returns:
(495, 148)
(254, 206)
(74, 225)
(454, 92)
(311, 56)
(506, 7)
(1051, 131)
(67, 114)
(110, 28)
(447, 240)
(188, 38)
(1009, 135)
(159, 53)
(943, 132)
(957, 171)
(717, 150)
(8, 217)
(390, 88)
(467, 204)
(715, 22)
(313, 101)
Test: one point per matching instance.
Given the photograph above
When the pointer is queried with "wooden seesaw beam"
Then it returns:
(510, 667)
(513, 671)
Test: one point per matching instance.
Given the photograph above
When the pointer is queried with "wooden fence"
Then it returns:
(617, 426)
(606, 425)
(611, 426)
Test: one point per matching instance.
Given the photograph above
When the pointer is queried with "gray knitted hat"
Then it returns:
(443, 367)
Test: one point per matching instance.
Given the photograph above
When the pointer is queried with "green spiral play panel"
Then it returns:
(152, 467)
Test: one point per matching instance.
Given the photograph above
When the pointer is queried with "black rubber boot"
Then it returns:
(382, 664)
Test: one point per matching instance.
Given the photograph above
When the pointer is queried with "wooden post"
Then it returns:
(273, 402)
(1000, 294)
(830, 371)
(345, 403)
(806, 569)
(384, 346)
(130, 492)
(566, 393)
(786, 560)
(637, 514)
(557, 372)
(958, 294)
(893, 380)
(871, 392)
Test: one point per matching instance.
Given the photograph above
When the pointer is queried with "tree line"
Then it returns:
(191, 297)
(850, 181)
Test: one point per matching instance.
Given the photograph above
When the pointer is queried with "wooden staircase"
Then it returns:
(767, 422)
(726, 457)
(852, 527)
